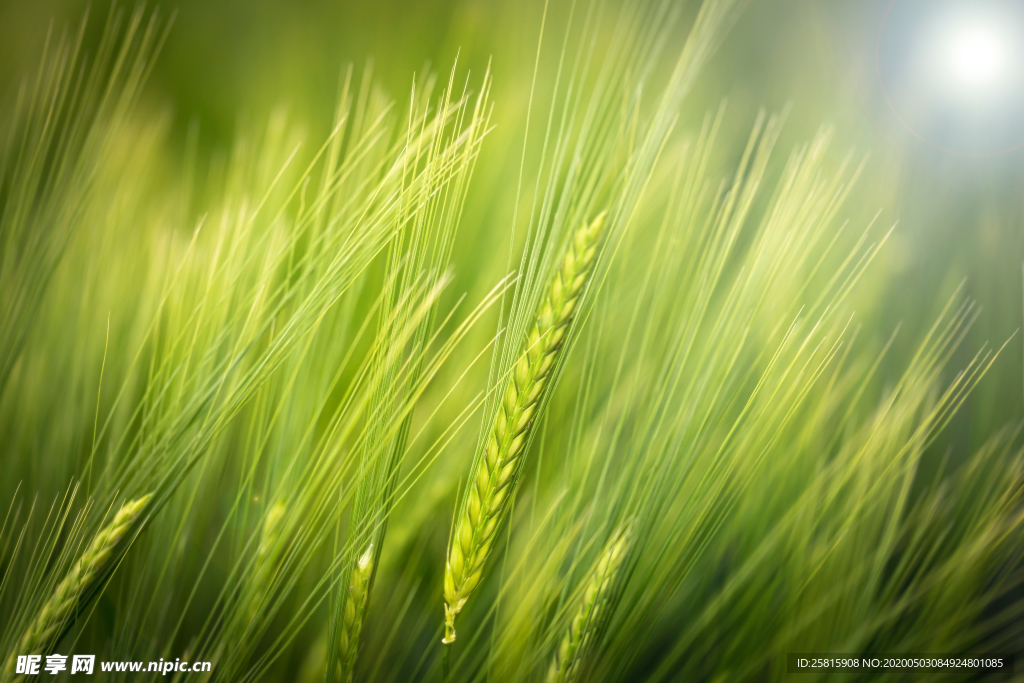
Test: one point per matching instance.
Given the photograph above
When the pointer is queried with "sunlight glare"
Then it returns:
(976, 56)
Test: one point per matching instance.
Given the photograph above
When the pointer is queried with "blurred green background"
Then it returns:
(959, 218)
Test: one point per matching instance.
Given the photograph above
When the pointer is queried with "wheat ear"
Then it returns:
(264, 566)
(352, 615)
(91, 566)
(566, 663)
(496, 471)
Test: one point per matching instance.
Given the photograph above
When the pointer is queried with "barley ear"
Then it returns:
(263, 568)
(565, 665)
(496, 472)
(352, 615)
(59, 611)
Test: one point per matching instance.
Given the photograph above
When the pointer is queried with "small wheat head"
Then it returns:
(62, 606)
(565, 665)
(263, 568)
(353, 613)
(496, 471)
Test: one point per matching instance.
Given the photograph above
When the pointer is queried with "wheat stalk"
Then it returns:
(92, 565)
(566, 663)
(497, 470)
(352, 614)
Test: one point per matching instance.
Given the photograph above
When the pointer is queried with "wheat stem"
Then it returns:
(352, 615)
(566, 663)
(497, 470)
(60, 609)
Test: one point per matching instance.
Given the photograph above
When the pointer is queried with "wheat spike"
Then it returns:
(566, 663)
(60, 609)
(496, 470)
(352, 615)
(263, 569)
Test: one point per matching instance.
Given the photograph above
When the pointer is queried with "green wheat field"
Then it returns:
(496, 340)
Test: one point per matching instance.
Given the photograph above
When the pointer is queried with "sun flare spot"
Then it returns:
(976, 56)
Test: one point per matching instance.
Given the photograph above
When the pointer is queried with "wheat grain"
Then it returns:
(497, 470)
(60, 609)
(352, 615)
(566, 663)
